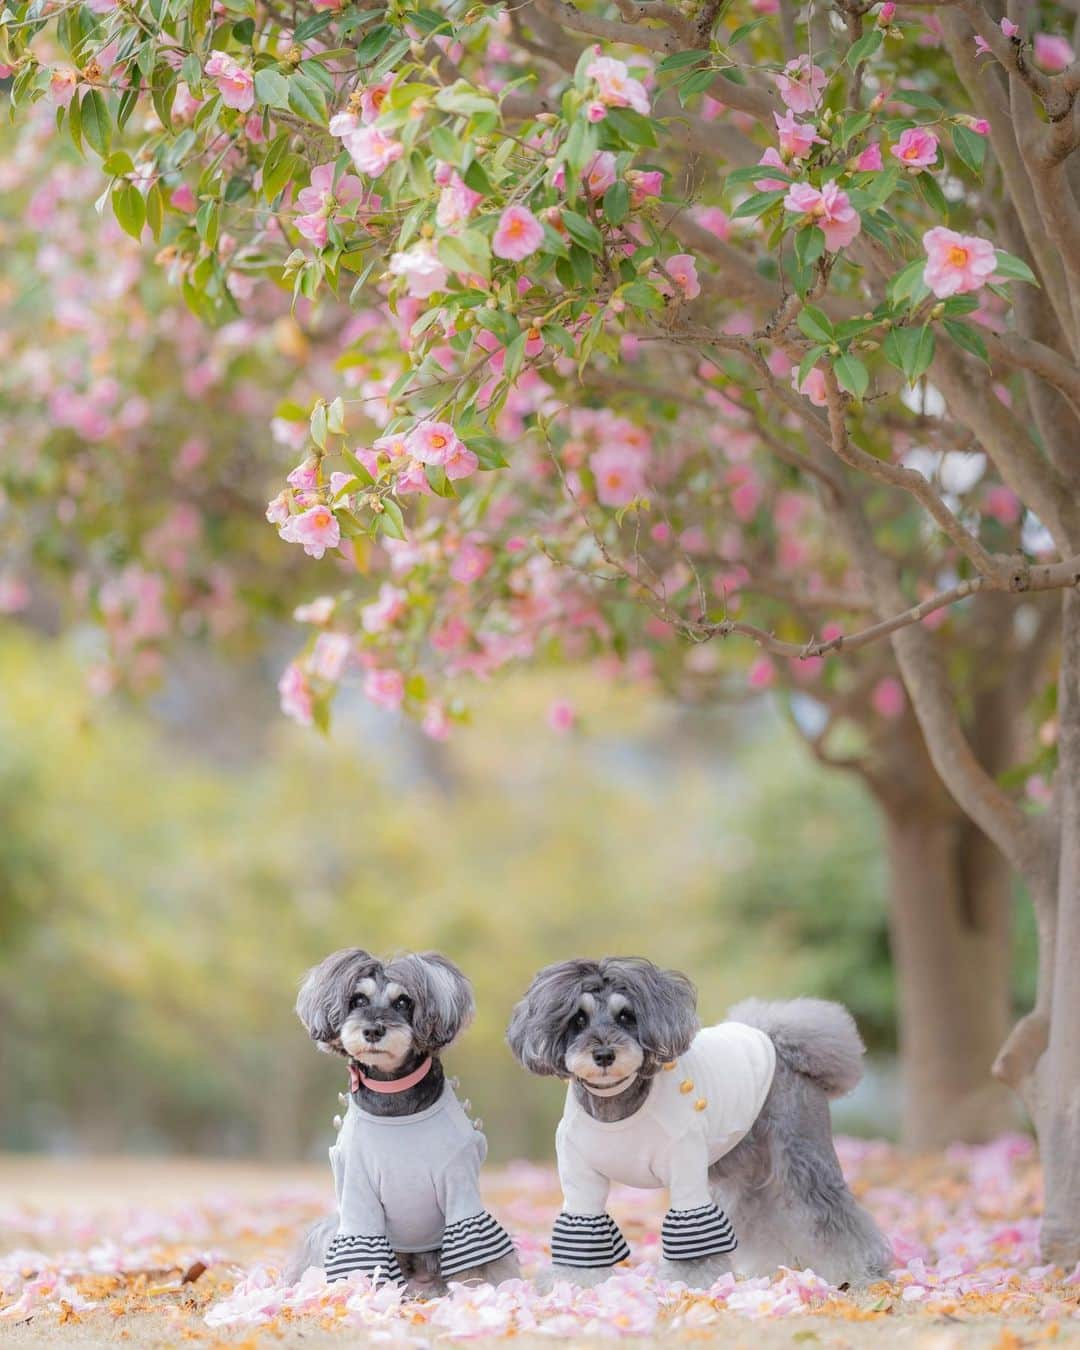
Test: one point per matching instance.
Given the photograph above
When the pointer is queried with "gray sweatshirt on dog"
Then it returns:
(411, 1184)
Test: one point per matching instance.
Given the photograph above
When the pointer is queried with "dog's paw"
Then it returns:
(583, 1277)
(700, 1274)
(493, 1272)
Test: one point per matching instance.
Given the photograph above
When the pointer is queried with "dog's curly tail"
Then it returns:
(813, 1037)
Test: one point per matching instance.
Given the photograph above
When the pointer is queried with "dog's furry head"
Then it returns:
(381, 1013)
(603, 1022)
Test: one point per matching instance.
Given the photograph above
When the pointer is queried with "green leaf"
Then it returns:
(319, 426)
(908, 283)
(866, 46)
(642, 295)
(910, 350)
(965, 336)
(488, 451)
(466, 254)
(757, 204)
(445, 145)
(970, 148)
(335, 417)
(117, 164)
(931, 191)
(1014, 268)
(851, 375)
(679, 61)
(208, 222)
(155, 208)
(475, 177)
(310, 27)
(391, 521)
(271, 87)
(633, 127)
(809, 246)
(815, 324)
(129, 208)
(94, 119)
(363, 477)
(307, 99)
(617, 202)
(583, 231)
(373, 44)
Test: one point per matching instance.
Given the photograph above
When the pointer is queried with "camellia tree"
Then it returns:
(673, 322)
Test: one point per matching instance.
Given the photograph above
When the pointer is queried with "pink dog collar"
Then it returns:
(388, 1085)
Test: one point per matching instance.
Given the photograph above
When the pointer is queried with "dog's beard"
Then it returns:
(611, 1080)
(385, 1055)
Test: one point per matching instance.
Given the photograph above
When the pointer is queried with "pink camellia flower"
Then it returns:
(682, 268)
(644, 183)
(617, 88)
(1002, 504)
(472, 559)
(1052, 52)
(461, 462)
(813, 387)
(235, 82)
(183, 199)
(421, 268)
(596, 111)
(295, 694)
(305, 477)
(796, 138)
(772, 159)
(277, 511)
(316, 529)
(870, 159)
(317, 201)
(385, 687)
(517, 235)
(62, 85)
(619, 474)
(372, 150)
(829, 209)
(600, 174)
(956, 263)
(432, 442)
(917, 148)
(436, 723)
(372, 97)
(562, 716)
(888, 699)
(801, 84)
(1009, 28)
(456, 202)
(762, 674)
(715, 220)
(383, 613)
(330, 656)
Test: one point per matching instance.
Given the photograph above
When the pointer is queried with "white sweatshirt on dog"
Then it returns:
(698, 1109)
(411, 1184)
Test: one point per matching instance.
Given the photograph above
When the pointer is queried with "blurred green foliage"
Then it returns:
(158, 906)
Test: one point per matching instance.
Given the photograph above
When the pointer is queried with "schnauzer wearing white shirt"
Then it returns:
(732, 1120)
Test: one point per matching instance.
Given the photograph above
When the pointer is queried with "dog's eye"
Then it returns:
(358, 1001)
(402, 1003)
(579, 1021)
(626, 1018)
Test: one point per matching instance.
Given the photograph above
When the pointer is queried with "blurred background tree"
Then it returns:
(161, 895)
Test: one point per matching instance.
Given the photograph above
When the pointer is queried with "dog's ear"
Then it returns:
(323, 1001)
(443, 1004)
(664, 1003)
(537, 1031)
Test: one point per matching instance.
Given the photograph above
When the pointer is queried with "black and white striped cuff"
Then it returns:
(369, 1255)
(473, 1242)
(587, 1240)
(687, 1234)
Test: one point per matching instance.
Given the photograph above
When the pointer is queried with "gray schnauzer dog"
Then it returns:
(407, 1159)
(733, 1120)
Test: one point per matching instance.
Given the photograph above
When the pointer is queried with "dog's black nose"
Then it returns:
(375, 1033)
(604, 1057)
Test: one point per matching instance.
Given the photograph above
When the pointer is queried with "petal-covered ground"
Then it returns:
(103, 1257)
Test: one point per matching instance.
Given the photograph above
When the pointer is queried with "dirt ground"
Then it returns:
(124, 1233)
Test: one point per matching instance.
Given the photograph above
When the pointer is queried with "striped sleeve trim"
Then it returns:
(590, 1240)
(687, 1234)
(369, 1255)
(474, 1242)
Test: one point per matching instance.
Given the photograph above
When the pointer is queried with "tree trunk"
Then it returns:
(1057, 1107)
(950, 920)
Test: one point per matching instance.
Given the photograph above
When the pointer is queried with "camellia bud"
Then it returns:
(885, 14)
(427, 229)
(937, 311)
(548, 119)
